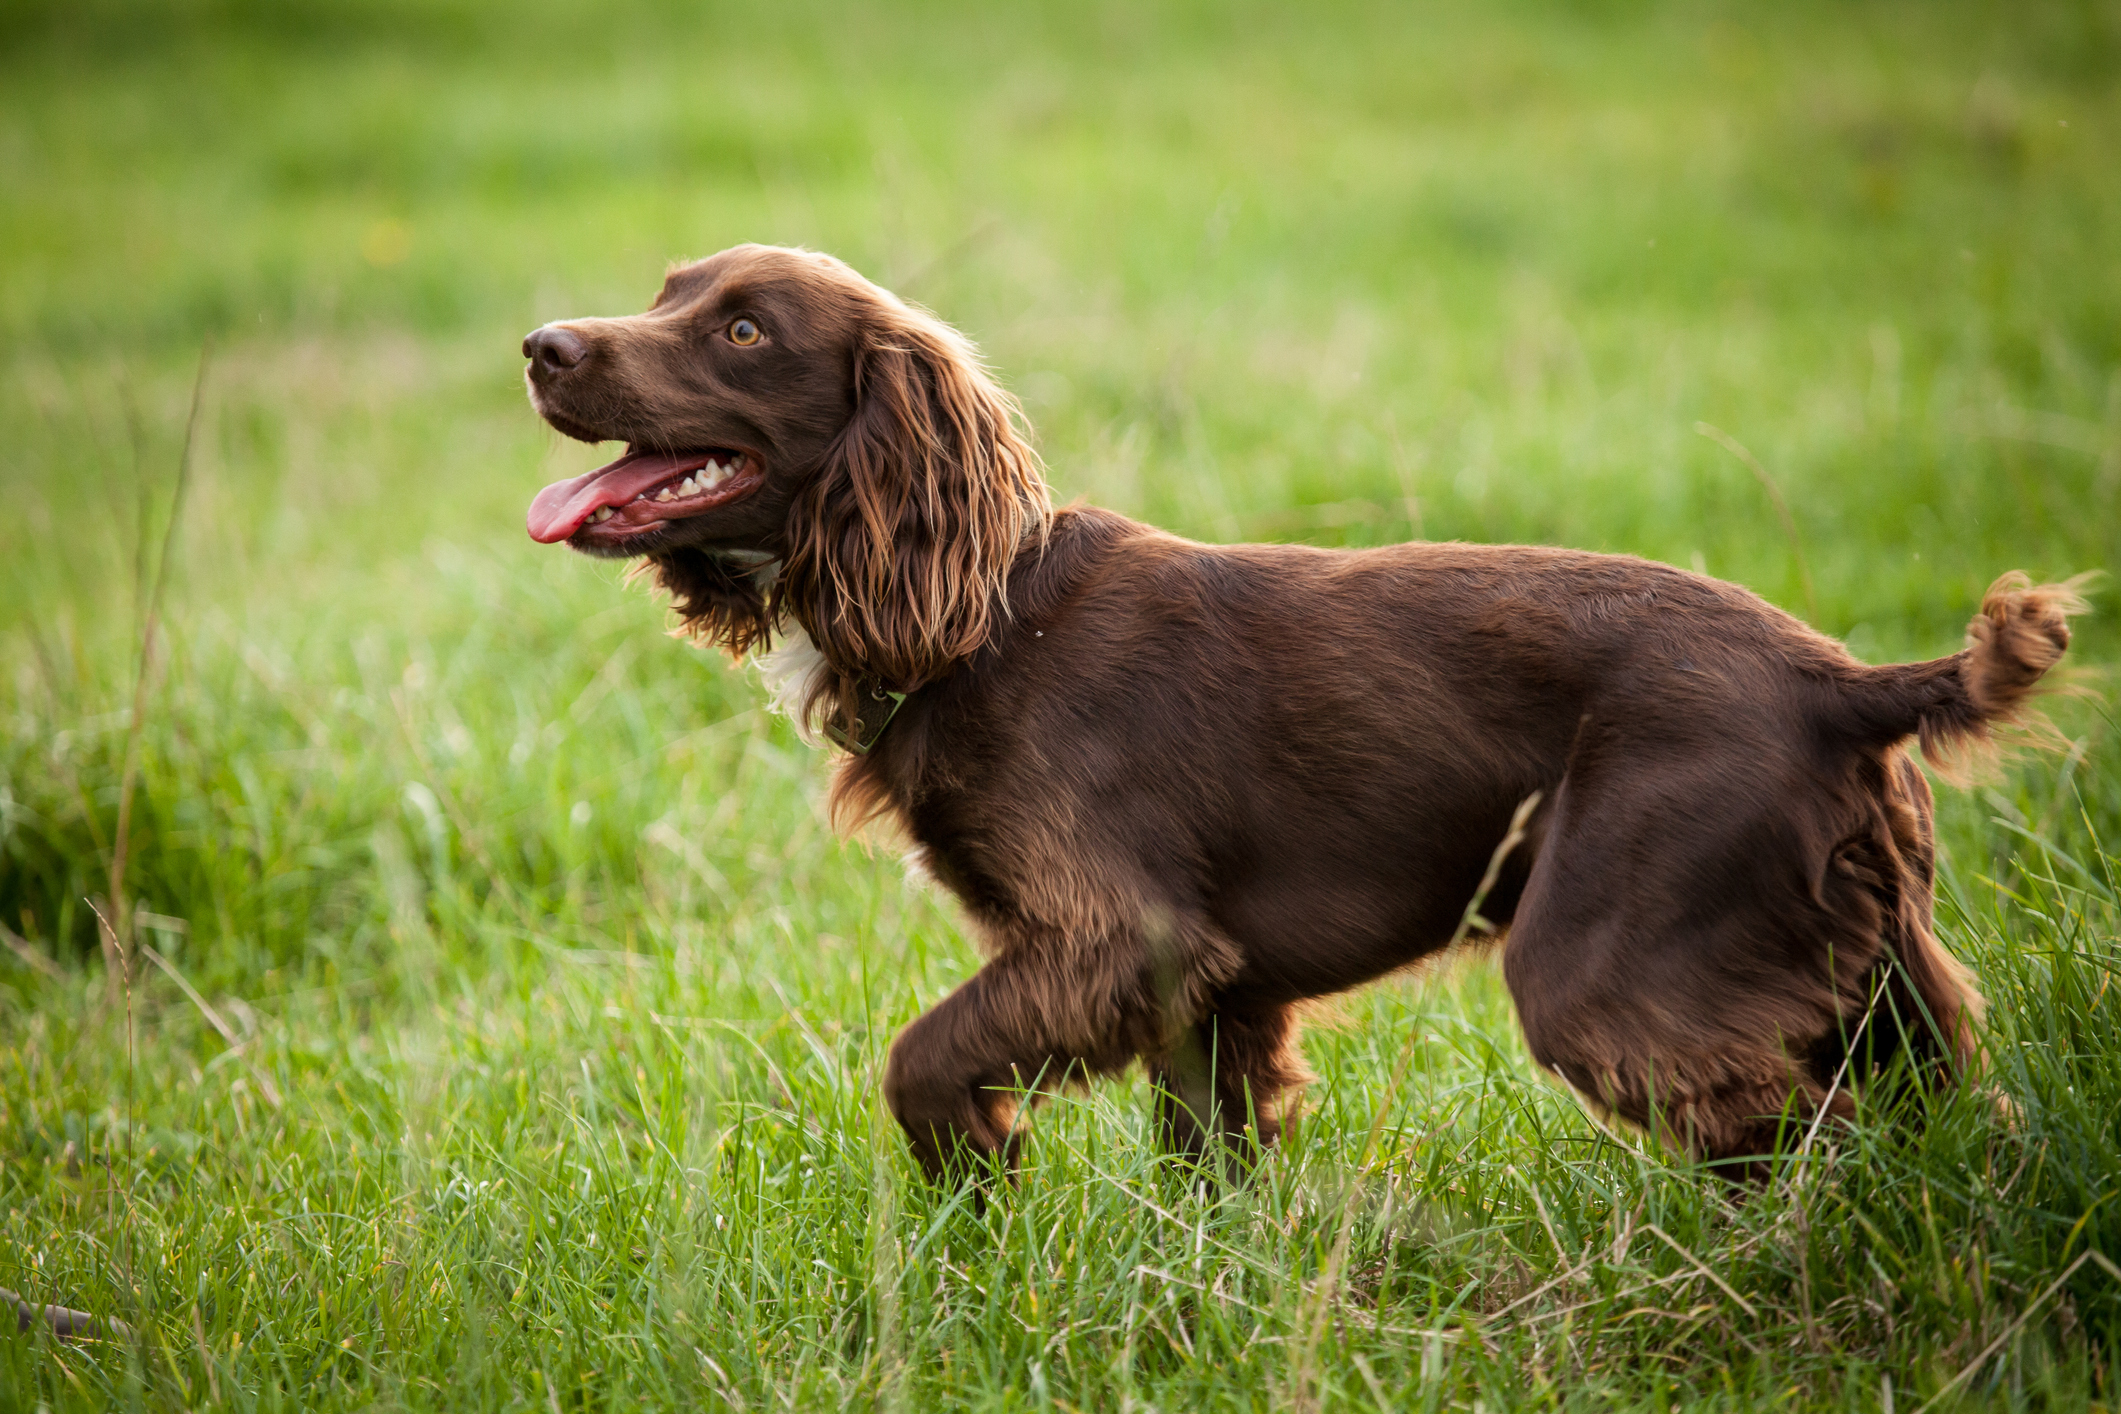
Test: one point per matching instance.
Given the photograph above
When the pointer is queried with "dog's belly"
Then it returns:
(1313, 926)
(1362, 851)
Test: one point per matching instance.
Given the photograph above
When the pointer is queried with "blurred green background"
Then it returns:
(405, 784)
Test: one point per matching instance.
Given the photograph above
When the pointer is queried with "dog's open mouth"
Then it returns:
(641, 491)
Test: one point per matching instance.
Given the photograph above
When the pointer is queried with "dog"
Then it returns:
(1180, 789)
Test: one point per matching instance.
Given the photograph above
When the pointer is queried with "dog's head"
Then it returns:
(779, 410)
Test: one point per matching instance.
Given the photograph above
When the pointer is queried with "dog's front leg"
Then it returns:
(944, 1081)
(956, 1074)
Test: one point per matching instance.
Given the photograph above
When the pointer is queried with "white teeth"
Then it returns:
(600, 515)
(668, 493)
(688, 487)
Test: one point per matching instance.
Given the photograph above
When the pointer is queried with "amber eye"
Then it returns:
(743, 332)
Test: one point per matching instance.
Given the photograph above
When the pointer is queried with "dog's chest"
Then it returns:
(793, 671)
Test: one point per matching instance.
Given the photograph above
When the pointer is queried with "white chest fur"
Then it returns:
(793, 670)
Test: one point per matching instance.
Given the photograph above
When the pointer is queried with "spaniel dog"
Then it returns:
(1181, 788)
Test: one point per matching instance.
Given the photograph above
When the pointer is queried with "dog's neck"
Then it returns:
(839, 703)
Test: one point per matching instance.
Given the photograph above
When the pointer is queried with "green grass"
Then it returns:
(553, 1010)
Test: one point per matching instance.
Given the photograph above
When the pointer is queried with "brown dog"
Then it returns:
(1180, 788)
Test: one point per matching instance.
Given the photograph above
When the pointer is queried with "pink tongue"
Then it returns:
(559, 509)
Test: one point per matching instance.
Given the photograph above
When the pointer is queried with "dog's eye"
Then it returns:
(743, 332)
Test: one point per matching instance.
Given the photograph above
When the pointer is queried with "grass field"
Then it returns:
(505, 1021)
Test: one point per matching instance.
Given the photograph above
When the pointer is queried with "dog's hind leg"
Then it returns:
(1923, 1003)
(1689, 936)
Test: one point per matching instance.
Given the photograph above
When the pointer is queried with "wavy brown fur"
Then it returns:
(1181, 789)
(1956, 704)
(900, 547)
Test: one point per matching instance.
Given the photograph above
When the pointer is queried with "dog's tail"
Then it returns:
(1950, 703)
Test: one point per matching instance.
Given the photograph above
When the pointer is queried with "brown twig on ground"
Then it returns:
(63, 1321)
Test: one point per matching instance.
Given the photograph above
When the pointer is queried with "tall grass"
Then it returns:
(525, 1047)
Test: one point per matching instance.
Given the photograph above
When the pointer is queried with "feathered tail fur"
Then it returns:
(1951, 704)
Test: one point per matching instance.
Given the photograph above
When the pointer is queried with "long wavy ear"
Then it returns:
(900, 547)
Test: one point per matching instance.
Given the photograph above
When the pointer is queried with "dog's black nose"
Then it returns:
(553, 348)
